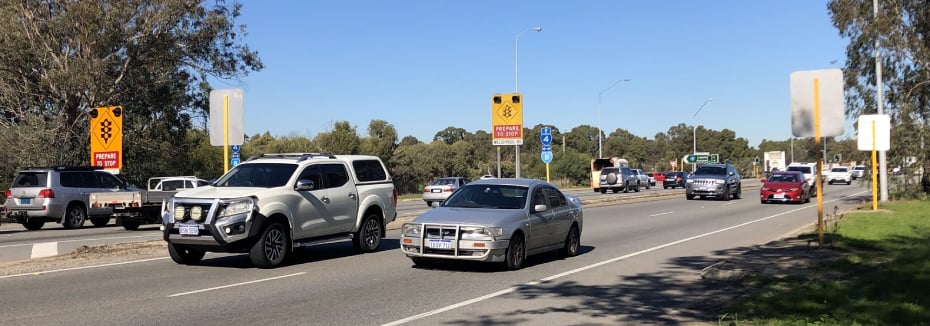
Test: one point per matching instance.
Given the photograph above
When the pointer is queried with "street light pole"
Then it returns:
(694, 132)
(600, 153)
(516, 84)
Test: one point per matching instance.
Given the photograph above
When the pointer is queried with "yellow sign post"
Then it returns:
(106, 138)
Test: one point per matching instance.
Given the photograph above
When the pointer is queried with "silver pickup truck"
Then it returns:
(133, 207)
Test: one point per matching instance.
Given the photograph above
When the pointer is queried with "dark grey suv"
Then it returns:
(714, 180)
(59, 194)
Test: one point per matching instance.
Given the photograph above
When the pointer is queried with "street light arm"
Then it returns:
(702, 107)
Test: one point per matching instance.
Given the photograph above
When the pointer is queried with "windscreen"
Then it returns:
(266, 175)
(488, 196)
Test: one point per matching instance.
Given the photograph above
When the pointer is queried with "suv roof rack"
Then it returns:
(65, 168)
(299, 156)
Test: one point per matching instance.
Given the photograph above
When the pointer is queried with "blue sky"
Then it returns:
(424, 66)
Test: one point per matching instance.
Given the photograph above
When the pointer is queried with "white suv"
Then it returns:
(809, 170)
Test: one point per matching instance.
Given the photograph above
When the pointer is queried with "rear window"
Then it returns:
(30, 179)
(838, 170)
(802, 169)
(369, 170)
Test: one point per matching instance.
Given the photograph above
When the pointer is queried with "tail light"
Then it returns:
(8, 193)
(46, 193)
(447, 189)
(425, 189)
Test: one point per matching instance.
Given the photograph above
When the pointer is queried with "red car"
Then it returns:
(657, 177)
(785, 187)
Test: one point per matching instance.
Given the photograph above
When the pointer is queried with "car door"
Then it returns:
(343, 197)
(562, 215)
(312, 217)
(542, 223)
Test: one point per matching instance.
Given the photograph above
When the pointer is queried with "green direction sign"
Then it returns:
(715, 158)
(698, 159)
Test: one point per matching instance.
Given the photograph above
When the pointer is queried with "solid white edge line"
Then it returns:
(660, 214)
(80, 268)
(595, 265)
(236, 284)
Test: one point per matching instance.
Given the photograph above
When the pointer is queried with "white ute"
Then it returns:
(273, 203)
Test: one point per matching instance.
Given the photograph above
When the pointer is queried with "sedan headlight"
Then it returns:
(480, 232)
(719, 181)
(412, 230)
(236, 207)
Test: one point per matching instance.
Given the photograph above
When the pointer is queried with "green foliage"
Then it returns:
(882, 280)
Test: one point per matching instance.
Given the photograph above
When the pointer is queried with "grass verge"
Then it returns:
(882, 276)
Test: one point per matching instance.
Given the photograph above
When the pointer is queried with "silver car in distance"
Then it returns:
(496, 220)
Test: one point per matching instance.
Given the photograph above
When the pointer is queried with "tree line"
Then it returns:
(156, 59)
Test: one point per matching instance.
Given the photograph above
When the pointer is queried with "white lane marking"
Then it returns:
(91, 239)
(659, 214)
(730, 203)
(80, 268)
(45, 249)
(236, 284)
(595, 265)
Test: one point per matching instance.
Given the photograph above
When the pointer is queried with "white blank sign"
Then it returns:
(830, 91)
(882, 132)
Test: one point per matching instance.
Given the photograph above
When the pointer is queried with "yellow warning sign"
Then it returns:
(106, 137)
(507, 119)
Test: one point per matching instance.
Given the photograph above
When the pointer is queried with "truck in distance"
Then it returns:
(133, 207)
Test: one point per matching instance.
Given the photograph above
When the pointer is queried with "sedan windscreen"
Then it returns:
(488, 196)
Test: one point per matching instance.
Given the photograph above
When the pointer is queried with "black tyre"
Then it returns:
(516, 252)
(572, 242)
(368, 237)
(33, 224)
(429, 204)
(739, 192)
(75, 217)
(726, 194)
(183, 255)
(272, 247)
(604, 190)
(689, 197)
(131, 225)
(637, 187)
(100, 220)
(664, 187)
(615, 190)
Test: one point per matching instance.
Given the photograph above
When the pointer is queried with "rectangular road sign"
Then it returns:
(228, 101)
(817, 92)
(507, 119)
(882, 132)
(106, 138)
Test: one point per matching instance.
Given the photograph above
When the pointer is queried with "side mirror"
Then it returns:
(304, 185)
(540, 208)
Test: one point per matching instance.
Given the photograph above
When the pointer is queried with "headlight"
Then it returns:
(412, 230)
(719, 181)
(479, 232)
(689, 181)
(236, 207)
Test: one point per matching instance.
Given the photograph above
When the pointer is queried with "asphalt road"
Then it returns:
(638, 264)
(17, 243)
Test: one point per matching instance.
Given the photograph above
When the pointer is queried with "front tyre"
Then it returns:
(131, 225)
(368, 237)
(271, 249)
(100, 221)
(34, 223)
(183, 255)
(572, 242)
(516, 252)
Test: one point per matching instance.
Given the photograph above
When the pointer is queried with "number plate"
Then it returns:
(188, 229)
(778, 196)
(437, 190)
(25, 201)
(440, 244)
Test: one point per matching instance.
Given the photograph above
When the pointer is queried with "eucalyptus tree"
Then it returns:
(62, 58)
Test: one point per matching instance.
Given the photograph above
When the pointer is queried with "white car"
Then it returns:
(858, 171)
(840, 174)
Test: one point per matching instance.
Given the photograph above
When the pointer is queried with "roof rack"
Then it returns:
(65, 168)
(299, 156)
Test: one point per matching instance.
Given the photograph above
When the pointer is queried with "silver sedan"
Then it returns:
(496, 220)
